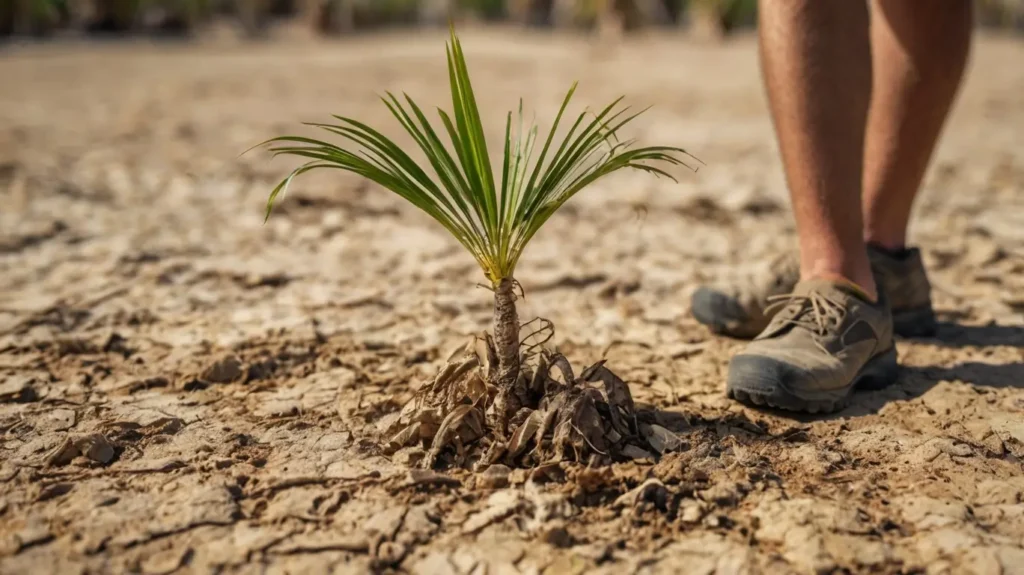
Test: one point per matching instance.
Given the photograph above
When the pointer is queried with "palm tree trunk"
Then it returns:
(506, 347)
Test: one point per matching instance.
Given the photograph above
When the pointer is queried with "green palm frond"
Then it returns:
(494, 215)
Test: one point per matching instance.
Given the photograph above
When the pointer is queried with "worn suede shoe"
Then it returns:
(825, 341)
(742, 309)
(902, 277)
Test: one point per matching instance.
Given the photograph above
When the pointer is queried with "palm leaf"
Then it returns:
(493, 220)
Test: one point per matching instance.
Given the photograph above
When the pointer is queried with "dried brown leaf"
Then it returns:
(662, 440)
(412, 433)
(634, 452)
(472, 426)
(540, 376)
(652, 491)
(616, 393)
(476, 390)
(524, 433)
(446, 432)
(428, 477)
(558, 360)
(63, 453)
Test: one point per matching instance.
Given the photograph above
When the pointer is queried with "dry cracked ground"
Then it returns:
(184, 389)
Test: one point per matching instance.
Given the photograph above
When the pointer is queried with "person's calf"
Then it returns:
(842, 266)
(816, 61)
(918, 60)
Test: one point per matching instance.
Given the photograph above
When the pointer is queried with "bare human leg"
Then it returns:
(816, 62)
(916, 63)
(918, 59)
(832, 334)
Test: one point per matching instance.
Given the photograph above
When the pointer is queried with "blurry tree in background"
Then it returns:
(27, 17)
(705, 18)
(329, 17)
(254, 16)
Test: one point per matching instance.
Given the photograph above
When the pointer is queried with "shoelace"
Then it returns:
(825, 313)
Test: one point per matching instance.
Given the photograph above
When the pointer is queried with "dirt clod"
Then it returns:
(18, 389)
(96, 447)
(652, 492)
(93, 446)
(557, 536)
(225, 370)
(54, 490)
(495, 477)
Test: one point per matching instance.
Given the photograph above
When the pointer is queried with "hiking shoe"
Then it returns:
(824, 341)
(739, 309)
(742, 309)
(902, 277)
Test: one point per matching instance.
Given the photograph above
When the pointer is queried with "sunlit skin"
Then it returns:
(858, 99)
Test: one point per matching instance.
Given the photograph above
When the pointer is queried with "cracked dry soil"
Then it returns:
(183, 389)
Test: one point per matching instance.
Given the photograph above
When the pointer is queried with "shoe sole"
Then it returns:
(879, 372)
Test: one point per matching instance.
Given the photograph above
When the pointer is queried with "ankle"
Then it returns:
(895, 243)
(866, 292)
(896, 252)
(858, 277)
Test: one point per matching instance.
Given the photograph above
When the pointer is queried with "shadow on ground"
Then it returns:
(952, 334)
(917, 381)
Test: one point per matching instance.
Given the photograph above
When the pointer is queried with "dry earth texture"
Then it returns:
(184, 389)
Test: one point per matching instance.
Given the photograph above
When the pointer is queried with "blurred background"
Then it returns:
(122, 121)
(255, 18)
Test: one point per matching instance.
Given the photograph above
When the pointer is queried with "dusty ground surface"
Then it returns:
(183, 389)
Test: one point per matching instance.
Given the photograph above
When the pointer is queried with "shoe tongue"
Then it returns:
(825, 286)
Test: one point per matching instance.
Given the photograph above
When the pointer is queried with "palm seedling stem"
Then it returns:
(511, 396)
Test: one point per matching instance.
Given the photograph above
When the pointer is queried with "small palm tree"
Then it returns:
(493, 213)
